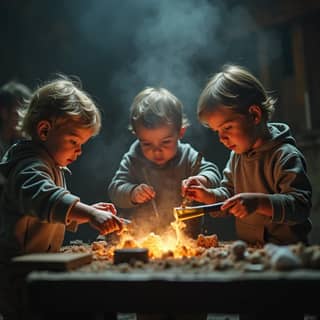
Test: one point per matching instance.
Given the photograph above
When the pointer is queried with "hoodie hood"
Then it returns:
(280, 134)
(21, 150)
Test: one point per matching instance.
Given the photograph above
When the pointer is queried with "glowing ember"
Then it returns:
(173, 242)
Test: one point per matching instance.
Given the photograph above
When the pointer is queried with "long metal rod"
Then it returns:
(153, 202)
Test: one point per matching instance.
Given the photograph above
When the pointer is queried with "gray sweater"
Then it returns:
(166, 180)
(35, 203)
(277, 168)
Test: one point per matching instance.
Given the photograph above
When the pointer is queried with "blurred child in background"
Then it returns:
(13, 96)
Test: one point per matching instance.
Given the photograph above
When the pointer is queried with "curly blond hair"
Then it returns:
(61, 101)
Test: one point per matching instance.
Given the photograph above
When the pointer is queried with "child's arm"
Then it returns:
(103, 220)
(291, 203)
(206, 176)
(286, 200)
(122, 186)
(244, 204)
(194, 188)
(38, 195)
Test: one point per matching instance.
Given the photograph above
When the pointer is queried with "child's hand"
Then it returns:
(105, 207)
(194, 189)
(243, 204)
(192, 181)
(105, 221)
(142, 193)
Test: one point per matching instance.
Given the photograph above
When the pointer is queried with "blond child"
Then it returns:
(35, 206)
(147, 184)
(265, 184)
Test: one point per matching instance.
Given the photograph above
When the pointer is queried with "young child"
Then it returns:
(35, 205)
(264, 185)
(147, 185)
(13, 96)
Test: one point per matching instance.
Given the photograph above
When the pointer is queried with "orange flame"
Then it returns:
(172, 243)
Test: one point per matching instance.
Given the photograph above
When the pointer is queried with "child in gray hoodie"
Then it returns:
(265, 184)
(157, 168)
(148, 183)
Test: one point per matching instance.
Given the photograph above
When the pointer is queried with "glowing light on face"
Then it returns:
(65, 144)
(235, 130)
(159, 145)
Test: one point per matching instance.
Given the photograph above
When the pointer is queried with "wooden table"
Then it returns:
(284, 294)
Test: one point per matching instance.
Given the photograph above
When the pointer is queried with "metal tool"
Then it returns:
(153, 202)
(194, 170)
(186, 213)
(125, 221)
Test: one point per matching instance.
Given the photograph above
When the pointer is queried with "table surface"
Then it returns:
(229, 291)
(214, 282)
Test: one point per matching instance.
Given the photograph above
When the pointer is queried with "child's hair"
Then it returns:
(153, 107)
(61, 101)
(14, 95)
(237, 88)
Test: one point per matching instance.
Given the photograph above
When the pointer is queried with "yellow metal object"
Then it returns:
(186, 213)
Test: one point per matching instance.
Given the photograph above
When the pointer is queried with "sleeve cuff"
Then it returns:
(62, 208)
(72, 226)
(277, 210)
(220, 196)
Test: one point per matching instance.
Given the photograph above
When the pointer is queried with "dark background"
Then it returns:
(118, 47)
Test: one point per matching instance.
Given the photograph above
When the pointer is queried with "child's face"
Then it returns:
(159, 145)
(64, 143)
(236, 131)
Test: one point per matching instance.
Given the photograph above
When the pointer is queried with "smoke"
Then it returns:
(167, 41)
(117, 48)
(173, 44)
(129, 45)
(134, 44)
(149, 43)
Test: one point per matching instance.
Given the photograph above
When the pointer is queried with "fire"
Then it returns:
(173, 242)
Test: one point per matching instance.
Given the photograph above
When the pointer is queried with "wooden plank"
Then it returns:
(50, 261)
